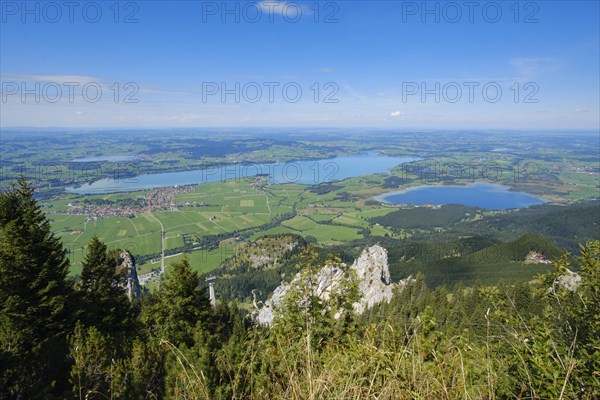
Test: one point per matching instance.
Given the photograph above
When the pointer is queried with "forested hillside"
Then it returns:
(63, 338)
(567, 225)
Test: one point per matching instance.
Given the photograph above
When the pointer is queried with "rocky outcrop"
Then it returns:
(132, 282)
(373, 278)
(264, 253)
(534, 257)
(569, 280)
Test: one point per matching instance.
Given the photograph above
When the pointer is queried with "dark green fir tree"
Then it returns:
(35, 298)
(102, 293)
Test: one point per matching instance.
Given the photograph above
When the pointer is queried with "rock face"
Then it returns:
(536, 258)
(569, 280)
(263, 253)
(374, 280)
(372, 273)
(132, 281)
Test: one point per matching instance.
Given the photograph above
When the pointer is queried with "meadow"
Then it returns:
(228, 207)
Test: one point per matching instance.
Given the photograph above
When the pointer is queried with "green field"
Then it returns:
(325, 234)
(201, 260)
(215, 209)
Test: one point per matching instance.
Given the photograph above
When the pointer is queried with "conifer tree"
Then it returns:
(35, 299)
(102, 292)
(93, 356)
(182, 305)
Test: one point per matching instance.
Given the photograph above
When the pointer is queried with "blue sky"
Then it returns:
(356, 63)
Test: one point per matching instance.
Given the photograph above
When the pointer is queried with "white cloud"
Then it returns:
(60, 79)
(531, 67)
(581, 110)
(397, 114)
(185, 117)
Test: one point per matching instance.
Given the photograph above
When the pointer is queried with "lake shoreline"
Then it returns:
(515, 198)
(307, 171)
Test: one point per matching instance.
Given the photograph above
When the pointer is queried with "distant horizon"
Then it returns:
(355, 128)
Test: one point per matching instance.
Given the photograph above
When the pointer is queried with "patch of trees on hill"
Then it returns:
(323, 188)
(447, 260)
(426, 217)
(567, 225)
(241, 280)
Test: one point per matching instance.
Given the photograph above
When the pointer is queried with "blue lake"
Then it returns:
(489, 196)
(307, 172)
